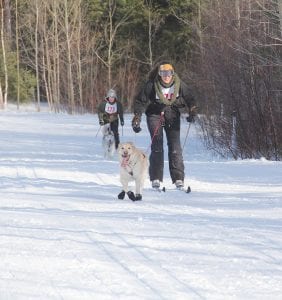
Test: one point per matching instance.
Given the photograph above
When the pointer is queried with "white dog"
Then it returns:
(134, 166)
(108, 141)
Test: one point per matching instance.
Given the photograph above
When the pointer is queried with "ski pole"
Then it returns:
(98, 131)
(187, 132)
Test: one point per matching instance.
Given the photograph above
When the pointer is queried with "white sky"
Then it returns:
(65, 235)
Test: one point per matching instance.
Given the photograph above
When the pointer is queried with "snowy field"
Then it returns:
(65, 235)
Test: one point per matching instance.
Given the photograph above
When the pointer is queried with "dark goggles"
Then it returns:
(166, 73)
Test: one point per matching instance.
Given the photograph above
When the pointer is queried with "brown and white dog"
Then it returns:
(134, 166)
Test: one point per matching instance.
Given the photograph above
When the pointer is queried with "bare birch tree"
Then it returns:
(17, 54)
(1, 97)
(4, 57)
(280, 15)
(36, 38)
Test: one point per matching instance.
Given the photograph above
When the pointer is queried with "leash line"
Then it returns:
(156, 130)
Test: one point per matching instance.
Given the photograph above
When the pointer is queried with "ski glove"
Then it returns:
(121, 122)
(101, 123)
(190, 119)
(136, 123)
(192, 114)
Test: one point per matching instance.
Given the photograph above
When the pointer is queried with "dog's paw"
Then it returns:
(138, 197)
(121, 195)
(131, 196)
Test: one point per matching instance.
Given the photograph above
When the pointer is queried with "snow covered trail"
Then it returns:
(65, 235)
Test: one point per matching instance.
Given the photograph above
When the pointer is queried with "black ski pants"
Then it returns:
(176, 165)
(114, 129)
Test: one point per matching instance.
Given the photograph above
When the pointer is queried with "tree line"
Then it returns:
(68, 53)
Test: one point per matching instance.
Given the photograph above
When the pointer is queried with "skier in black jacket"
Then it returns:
(109, 111)
(162, 97)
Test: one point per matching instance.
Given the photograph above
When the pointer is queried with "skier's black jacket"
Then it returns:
(146, 101)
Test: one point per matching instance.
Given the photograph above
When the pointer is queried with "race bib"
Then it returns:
(167, 92)
(111, 108)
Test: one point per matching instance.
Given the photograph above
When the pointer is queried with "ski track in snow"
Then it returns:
(65, 235)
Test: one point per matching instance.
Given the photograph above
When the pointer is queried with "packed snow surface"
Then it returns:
(65, 235)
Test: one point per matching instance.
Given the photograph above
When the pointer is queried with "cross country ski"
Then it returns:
(187, 189)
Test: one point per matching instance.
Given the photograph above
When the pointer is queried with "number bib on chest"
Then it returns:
(167, 92)
(111, 108)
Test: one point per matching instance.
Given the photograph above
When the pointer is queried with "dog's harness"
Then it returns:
(126, 164)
